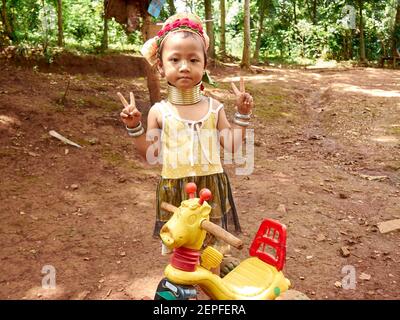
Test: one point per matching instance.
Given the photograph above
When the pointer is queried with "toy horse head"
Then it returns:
(183, 229)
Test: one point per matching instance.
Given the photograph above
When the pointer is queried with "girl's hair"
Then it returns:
(185, 34)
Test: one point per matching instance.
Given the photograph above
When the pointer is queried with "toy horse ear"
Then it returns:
(205, 211)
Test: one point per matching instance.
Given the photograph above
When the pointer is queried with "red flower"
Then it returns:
(167, 28)
(192, 25)
(176, 23)
(186, 22)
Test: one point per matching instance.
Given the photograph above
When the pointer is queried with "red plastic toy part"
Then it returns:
(205, 195)
(191, 189)
(270, 235)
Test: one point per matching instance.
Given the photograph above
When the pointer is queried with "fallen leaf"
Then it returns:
(33, 154)
(373, 178)
(345, 252)
(108, 293)
(365, 276)
(388, 226)
(281, 208)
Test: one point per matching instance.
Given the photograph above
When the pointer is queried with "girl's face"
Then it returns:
(182, 60)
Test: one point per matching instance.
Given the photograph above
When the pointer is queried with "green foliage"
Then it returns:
(293, 30)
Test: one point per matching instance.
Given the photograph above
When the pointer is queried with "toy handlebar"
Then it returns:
(212, 228)
(222, 234)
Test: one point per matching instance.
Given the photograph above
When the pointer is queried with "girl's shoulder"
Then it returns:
(215, 104)
(158, 107)
(156, 111)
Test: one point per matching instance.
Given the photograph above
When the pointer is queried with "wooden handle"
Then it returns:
(168, 207)
(222, 234)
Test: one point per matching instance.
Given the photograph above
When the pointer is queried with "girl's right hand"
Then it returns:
(130, 115)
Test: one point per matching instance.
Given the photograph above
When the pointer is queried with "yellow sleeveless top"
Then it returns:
(189, 148)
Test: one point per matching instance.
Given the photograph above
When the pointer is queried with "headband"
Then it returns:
(179, 22)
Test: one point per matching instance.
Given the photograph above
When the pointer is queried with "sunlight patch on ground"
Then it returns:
(8, 121)
(317, 76)
(257, 78)
(370, 92)
(321, 64)
(386, 139)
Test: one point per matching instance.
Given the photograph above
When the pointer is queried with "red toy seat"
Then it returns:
(271, 234)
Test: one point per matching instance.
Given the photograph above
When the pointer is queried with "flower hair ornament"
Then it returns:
(178, 22)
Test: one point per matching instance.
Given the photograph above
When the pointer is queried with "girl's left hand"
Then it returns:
(244, 100)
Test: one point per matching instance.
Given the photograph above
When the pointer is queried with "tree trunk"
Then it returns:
(222, 50)
(171, 7)
(347, 44)
(396, 33)
(314, 12)
(294, 12)
(6, 23)
(153, 81)
(260, 31)
(60, 41)
(350, 47)
(45, 42)
(104, 40)
(210, 27)
(246, 43)
(363, 58)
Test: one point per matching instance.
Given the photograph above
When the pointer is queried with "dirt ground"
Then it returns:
(327, 165)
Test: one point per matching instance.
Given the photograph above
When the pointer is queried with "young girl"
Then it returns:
(188, 126)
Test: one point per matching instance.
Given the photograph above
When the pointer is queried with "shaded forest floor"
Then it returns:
(327, 164)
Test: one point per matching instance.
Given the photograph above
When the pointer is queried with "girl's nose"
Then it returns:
(183, 66)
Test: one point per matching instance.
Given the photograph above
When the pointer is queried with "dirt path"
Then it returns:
(327, 154)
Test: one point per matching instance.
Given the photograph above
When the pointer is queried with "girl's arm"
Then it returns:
(232, 135)
(147, 144)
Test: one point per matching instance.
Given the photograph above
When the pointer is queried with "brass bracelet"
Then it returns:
(136, 133)
(135, 129)
(241, 123)
(239, 115)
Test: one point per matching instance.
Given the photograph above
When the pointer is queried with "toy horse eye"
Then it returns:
(191, 219)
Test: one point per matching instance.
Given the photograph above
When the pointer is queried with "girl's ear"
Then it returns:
(160, 68)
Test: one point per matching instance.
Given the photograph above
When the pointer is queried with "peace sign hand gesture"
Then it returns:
(130, 115)
(244, 100)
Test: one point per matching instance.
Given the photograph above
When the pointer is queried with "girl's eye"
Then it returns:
(194, 60)
(174, 59)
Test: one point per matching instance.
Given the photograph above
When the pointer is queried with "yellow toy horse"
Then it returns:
(256, 278)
